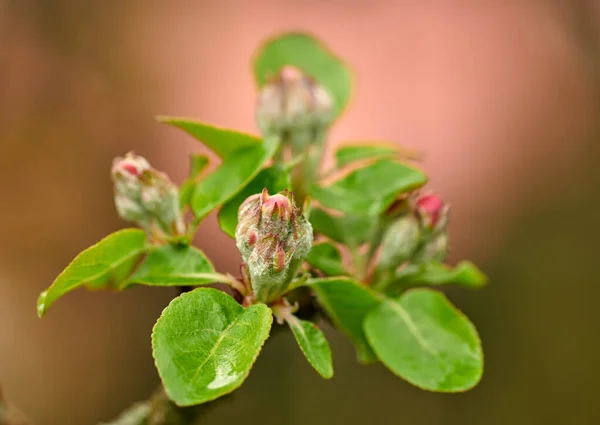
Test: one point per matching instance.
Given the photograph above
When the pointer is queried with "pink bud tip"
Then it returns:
(277, 206)
(431, 206)
(290, 74)
(130, 168)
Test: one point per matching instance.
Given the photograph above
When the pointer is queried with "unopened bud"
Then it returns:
(435, 250)
(146, 196)
(433, 212)
(292, 103)
(400, 242)
(274, 238)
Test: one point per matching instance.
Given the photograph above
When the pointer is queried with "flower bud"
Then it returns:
(294, 104)
(399, 242)
(146, 196)
(435, 250)
(274, 238)
(433, 212)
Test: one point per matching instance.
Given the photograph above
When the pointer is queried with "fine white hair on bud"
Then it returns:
(400, 241)
(274, 238)
(146, 196)
(294, 104)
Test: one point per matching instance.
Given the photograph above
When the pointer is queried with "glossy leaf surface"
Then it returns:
(314, 345)
(371, 189)
(106, 263)
(173, 265)
(425, 340)
(205, 344)
(347, 303)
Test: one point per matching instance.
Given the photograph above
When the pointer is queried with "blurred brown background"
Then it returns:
(503, 96)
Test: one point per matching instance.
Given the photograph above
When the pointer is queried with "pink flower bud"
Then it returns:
(294, 104)
(145, 196)
(432, 211)
(274, 238)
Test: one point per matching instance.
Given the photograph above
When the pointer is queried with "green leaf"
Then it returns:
(348, 229)
(205, 344)
(224, 142)
(327, 258)
(425, 340)
(309, 55)
(433, 273)
(347, 303)
(370, 190)
(197, 164)
(275, 179)
(231, 176)
(348, 154)
(174, 265)
(313, 344)
(106, 263)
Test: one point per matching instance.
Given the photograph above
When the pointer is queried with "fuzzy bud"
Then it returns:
(292, 103)
(146, 196)
(400, 241)
(274, 238)
(435, 250)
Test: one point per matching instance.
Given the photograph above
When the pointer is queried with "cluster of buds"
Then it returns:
(274, 238)
(146, 196)
(294, 105)
(418, 236)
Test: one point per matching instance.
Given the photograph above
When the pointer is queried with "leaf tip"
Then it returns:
(41, 304)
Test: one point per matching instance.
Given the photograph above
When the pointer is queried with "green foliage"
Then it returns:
(197, 165)
(370, 190)
(347, 303)
(424, 339)
(106, 263)
(174, 265)
(313, 344)
(206, 341)
(327, 258)
(224, 142)
(275, 179)
(347, 229)
(205, 344)
(433, 273)
(346, 155)
(231, 177)
(309, 55)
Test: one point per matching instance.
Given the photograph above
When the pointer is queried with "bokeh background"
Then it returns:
(502, 96)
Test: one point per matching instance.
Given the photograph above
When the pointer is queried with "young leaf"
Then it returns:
(108, 262)
(275, 179)
(347, 302)
(309, 55)
(205, 344)
(224, 142)
(230, 178)
(313, 344)
(370, 190)
(197, 164)
(425, 340)
(327, 258)
(349, 229)
(433, 273)
(348, 154)
(174, 265)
